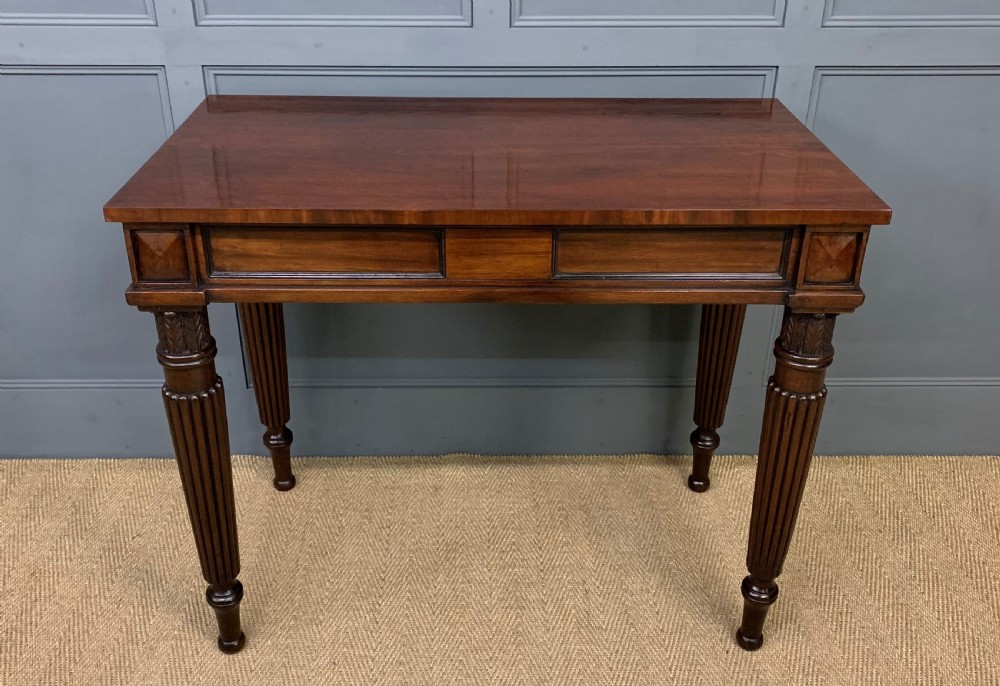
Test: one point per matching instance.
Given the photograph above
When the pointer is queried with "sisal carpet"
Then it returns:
(481, 570)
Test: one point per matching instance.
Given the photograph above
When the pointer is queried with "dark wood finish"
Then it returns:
(196, 411)
(160, 255)
(332, 252)
(793, 408)
(832, 258)
(719, 341)
(498, 254)
(264, 338)
(456, 162)
(723, 203)
(706, 253)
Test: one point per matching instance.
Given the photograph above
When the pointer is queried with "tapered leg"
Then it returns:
(196, 410)
(792, 411)
(721, 327)
(264, 334)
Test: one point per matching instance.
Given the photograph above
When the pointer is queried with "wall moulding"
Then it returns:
(144, 15)
(629, 13)
(353, 13)
(878, 13)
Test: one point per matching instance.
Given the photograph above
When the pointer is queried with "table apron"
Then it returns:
(190, 265)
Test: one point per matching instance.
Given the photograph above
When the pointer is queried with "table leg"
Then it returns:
(793, 408)
(196, 410)
(264, 336)
(721, 327)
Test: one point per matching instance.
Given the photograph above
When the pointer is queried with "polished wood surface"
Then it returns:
(331, 252)
(382, 161)
(261, 201)
(651, 254)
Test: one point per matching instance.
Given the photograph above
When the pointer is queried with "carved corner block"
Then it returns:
(832, 257)
(160, 255)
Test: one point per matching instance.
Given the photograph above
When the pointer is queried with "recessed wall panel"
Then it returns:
(70, 138)
(334, 12)
(928, 141)
(78, 12)
(734, 82)
(911, 13)
(555, 13)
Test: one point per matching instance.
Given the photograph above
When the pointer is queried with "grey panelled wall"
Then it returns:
(906, 91)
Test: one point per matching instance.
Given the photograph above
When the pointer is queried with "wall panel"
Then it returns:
(78, 12)
(69, 135)
(745, 82)
(900, 13)
(647, 13)
(923, 139)
(333, 12)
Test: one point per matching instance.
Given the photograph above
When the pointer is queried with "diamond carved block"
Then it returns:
(160, 255)
(832, 258)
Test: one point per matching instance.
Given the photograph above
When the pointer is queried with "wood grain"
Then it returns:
(833, 258)
(494, 162)
(160, 255)
(677, 253)
(329, 252)
(501, 254)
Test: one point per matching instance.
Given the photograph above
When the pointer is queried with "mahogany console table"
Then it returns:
(264, 200)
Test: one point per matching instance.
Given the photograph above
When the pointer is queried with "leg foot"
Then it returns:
(758, 596)
(232, 648)
(698, 485)
(748, 644)
(286, 485)
(264, 335)
(225, 600)
(704, 442)
(279, 442)
(719, 341)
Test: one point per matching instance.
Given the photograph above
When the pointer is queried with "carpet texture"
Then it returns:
(485, 570)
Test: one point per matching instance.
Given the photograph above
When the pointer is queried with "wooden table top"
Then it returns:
(493, 162)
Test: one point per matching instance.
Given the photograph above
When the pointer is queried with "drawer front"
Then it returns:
(498, 254)
(673, 254)
(323, 252)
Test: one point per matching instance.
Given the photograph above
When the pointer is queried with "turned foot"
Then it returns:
(719, 341)
(225, 600)
(264, 336)
(278, 441)
(704, 442)
(758, 596)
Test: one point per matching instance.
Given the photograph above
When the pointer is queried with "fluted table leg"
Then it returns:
(719, 341)
(264, 335)
(792, 411)
(196, 410)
